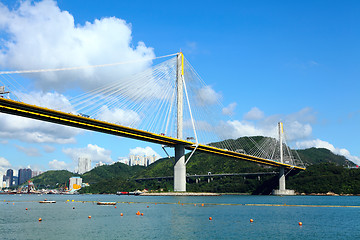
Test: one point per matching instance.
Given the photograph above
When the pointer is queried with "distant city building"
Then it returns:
(100, 164)
(15, 180)
(141, 160)
(36, 173)
(75, 183)
(9, 177)
(84, 165)
(24, 175)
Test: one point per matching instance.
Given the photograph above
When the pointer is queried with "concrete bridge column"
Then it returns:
(282, 190)
(179, 169)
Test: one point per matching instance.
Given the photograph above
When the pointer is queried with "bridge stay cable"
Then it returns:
(153, 101)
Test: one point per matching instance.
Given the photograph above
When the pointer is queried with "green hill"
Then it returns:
(121, 177)
(326, 177)
(53, 179)
(312, 156)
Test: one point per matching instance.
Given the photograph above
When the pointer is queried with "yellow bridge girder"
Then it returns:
(44, 114)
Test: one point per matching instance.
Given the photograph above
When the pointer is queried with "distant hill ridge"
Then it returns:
(118, 176)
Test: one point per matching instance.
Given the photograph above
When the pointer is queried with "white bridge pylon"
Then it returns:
(180, 163)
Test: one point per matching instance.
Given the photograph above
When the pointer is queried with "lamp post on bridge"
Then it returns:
(282, 189)
(180, 166)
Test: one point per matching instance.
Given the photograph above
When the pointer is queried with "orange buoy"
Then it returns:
(182, 204)
(26, 208)
(121, 214)
(40, 219)
(142, 214)
(13, 203)
(195, 205)
(210, 218)
(138, 213)
(155, 203)
(147, 206)
(115, 206)
(202, 204)
(251, 220)
(89, 217)
(300, 223)
(73, 207)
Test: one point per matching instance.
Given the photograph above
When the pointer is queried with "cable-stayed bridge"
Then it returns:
(167, 104)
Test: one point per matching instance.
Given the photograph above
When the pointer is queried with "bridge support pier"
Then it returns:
(282, 190)
(179, 169)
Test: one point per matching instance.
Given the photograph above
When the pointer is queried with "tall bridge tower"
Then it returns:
(282, 189)
(180, 166)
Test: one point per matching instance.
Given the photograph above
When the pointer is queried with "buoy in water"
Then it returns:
(300, 223)
(251, 220)
(202, 204)
(210, 218)
(147, 206)
(138, 213)
(26, 208)
(89, 217)
(142, 214)
(121, 214)
(40, 219)
(115, 206)
(73, 207)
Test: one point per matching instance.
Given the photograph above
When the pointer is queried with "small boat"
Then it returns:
(47, 201)
(106, 203)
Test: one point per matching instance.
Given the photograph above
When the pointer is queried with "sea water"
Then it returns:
(180, 217)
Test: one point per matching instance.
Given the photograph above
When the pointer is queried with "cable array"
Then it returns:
(147, 101)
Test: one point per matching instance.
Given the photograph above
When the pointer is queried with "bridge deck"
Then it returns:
(68, 119)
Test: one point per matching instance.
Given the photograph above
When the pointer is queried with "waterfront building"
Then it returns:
(75, 183)
(24, 175)
(84, 165)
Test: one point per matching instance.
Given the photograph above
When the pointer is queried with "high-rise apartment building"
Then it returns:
(141, 160)
(9, 175)
(24, 175)
(84, 165)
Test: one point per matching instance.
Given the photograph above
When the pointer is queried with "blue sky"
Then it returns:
(294, 61)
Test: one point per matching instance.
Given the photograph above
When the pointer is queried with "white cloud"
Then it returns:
(92, 151)
(267, 126)
(207, 96)
(254, 114)
(235, 129)
(58, 165)
(229, 110)
(31, 152)
(148, 151)
(39, 35)
(119, 116)
(4, 165)
(317, 143)
(49, 149)
(34, 131)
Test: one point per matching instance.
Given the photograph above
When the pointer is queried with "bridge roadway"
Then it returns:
(44, 114)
